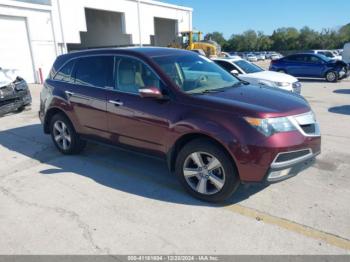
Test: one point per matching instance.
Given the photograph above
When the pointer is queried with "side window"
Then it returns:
(95, 71)
(227, 66)
(313, 59)
(65, 73)
(133, 75)
(296, 58)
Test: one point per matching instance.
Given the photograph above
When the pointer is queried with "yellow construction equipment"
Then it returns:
(192, 40)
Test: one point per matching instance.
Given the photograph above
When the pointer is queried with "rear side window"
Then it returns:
(95, 71)
(65, 73)
(296, 58)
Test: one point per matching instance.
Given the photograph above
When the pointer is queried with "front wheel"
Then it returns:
(206, 171)
(332, 76)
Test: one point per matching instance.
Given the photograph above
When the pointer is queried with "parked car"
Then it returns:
(228, 55)
(260, 56)
(235, 54)
(214, 131)
(326, 53)
(346, 53)
(251, 58)
(14, 92)
(257, 76)
(275, 56)
(311, 66)
(270, 54)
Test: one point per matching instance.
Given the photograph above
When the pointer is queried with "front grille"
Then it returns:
(7, 102)
(283, 157)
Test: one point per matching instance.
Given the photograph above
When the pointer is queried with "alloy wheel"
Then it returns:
(61, 135)
(331, 76)
(204, 173)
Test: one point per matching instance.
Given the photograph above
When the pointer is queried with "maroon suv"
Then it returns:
(214, 130)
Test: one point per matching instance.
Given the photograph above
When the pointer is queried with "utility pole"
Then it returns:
(139, 21)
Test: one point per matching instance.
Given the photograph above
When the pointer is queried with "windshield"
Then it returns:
(195, 74)
(325, 58)
(328, 54)
(247, 67)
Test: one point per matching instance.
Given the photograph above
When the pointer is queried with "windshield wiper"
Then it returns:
(223, 89)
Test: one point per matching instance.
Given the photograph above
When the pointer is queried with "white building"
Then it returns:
(34, 32)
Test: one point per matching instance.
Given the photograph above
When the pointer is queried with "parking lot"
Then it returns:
(108, 201)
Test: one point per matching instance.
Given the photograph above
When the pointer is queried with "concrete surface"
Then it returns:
(108, 201)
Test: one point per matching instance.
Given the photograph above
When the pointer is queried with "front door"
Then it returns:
(132, 120)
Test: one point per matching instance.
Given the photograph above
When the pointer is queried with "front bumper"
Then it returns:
(281, 155)
(14, 102)
(289, 164)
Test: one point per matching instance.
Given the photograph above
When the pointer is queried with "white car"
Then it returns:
(251, 58)
(275, 56)
(260, 57)
(327, 53)
(255, 75)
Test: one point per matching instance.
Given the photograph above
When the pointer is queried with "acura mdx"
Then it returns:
(214, 131)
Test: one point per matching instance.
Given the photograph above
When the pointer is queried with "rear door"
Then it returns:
(296, 65)
(92, 77)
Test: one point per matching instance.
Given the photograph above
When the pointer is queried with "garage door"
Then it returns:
(14, 46)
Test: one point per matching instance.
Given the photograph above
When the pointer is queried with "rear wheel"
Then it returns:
(206, 172)
(64, 136)
(332, 76)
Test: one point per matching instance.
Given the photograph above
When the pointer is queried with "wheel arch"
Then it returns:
(48, 116)
(331, 70)
(185, 139)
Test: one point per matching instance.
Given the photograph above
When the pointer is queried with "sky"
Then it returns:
(237, 16)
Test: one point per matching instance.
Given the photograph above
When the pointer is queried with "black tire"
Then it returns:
(76, 145)
(332, 76)
(230, 174)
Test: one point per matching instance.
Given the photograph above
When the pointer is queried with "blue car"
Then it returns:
(311, 66)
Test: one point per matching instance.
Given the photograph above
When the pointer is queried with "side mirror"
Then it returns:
(235, 72)
(150, 92)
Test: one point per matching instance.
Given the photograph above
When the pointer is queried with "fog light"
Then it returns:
(276, 175)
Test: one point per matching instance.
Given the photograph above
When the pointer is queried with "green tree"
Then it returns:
(344, 34)
(264, 43)
(308, 39)
(285, 39)
(217, 37)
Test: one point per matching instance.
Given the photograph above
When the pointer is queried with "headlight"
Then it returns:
(282, 84)
(270, 126)
(21, 85)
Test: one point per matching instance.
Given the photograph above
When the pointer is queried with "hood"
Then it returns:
(7, 76)
(271, 76)
(256, 101)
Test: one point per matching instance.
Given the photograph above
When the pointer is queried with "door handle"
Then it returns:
(116, 103)
(68, 93)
